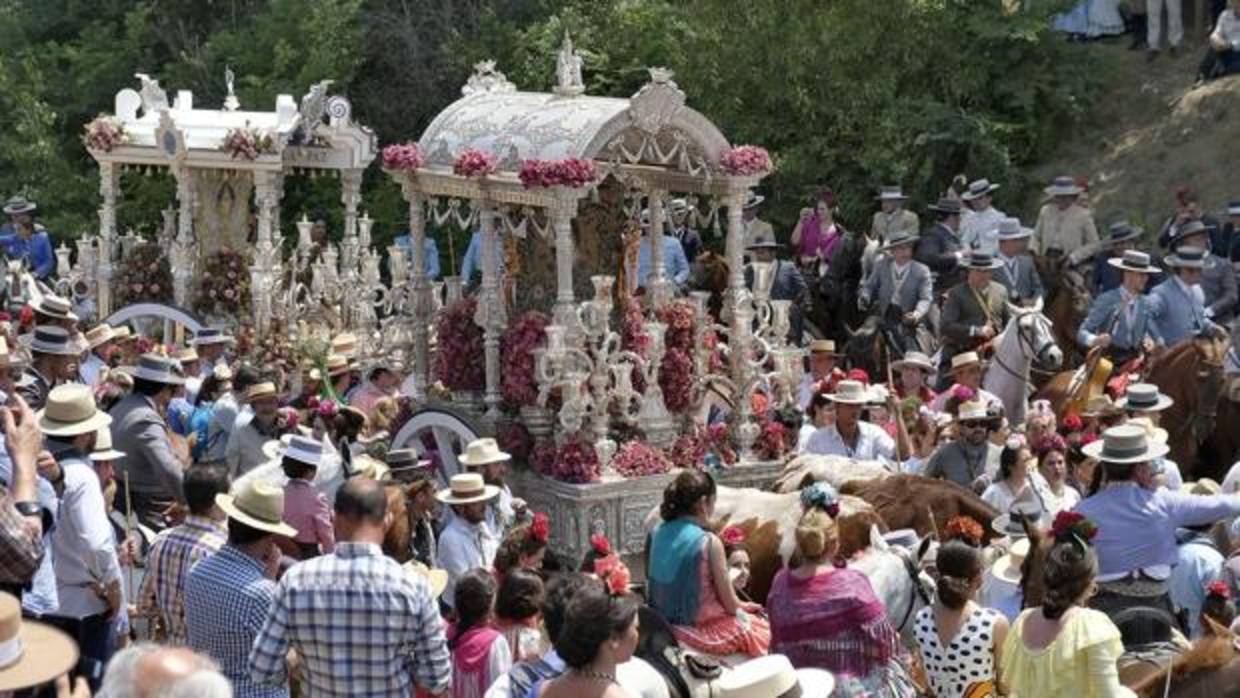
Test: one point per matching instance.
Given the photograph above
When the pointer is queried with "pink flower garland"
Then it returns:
(517, 345)
(636, 459)
(246, 143)
(678, 316)
(460, 345)
(745, 161)
(104, 133)
(676, 380)
(688, 452)
(403, 157)
(570, 172)
(474, 163)
(771, 443)
(514, 438)
(575, 462)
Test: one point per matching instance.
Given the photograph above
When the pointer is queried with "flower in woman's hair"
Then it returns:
(859, 375)
(1016, 442)
(1050, 442)
(328, 408)
(540, 527)
(600, 545)
(1218, 588)
(963, 393)
(823, 496)
(1070, 524)
(732, 535)
(1073, 423)
(614, 573)
(964, 528)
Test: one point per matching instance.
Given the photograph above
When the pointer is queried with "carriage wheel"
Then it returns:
(440, 434)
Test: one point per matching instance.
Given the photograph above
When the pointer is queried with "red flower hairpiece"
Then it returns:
(732, 535)
(1073, 423)
(600, 544)
(327, 408)
(1218, 588)
(540, 527)
(1070, 525)
(963, 393)
(964, 528)
(859, 375)
(614, 573)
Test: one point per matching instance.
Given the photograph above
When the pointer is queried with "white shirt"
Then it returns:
(980, 229)
(1000, 496)
(83, 544)
(1228, 29)
(635, 676)
(462, 547)
(873, 443)
(90, 370)
(807, 430)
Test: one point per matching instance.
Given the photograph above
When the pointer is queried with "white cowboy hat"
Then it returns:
(773, 676)
(978, 188)
(914, 359)
(71, 411)
(890, 193)
(1011, 229)
(31, 653)
(437, 578)
(54, 306)
(51, 339)
(1144, 397)
(1063, 186)
(1007, 567)
(966, 358)
(467, 488)
(99, 335)
(257, 504)
(482, 451)
(1133, 260)
(211, 335)
(156, 368)
(103, 447)
(1124, 444)
(850, 393)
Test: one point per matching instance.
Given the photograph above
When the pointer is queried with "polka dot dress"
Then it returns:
(967, 663)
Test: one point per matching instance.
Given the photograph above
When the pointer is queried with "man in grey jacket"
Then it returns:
(898, 280)
(1017, 274)
(1218, 279)
(139, 431)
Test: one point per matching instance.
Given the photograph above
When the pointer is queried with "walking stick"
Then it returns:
(129, 529)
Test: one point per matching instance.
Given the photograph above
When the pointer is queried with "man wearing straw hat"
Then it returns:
(1177, 305)
(467, 542)
(1120, 320)
(176, 550)
(971, 460)
(754, 227)
(974, 311)
(823, 374)
(851, 437)
(100, 341)
(88, 574)
(139, 430)
(979, 223)
(210, 344)
(484, 456)
(1133, 570)
(362, 626)
(897, 280)
(1064, 226)
(54, 353)
(1017, 273)
(245, 445)
(892, 217)
(229, 593)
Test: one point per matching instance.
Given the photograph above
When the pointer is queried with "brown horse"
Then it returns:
(1067, 309)
(920, 503)
(1191, 373)
(709, 272)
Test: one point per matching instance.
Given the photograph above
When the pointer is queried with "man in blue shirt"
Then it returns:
(430, 253)
(24, 239)
(675, 264)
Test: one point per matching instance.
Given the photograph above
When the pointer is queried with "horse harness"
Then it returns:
(919, 589)
(1026, 343)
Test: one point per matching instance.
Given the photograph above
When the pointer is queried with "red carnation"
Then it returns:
(732, 535)
(600, 544)
(540, 528)
(1218, 588)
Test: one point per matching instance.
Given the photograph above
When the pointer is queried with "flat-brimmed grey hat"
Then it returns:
(51, 339)
(18, 205)
(54, 306)
(1063, 186)
(947, 205)
(1190, 228)
(1187, 258)
(211, 335)
(1122, 231)
(403, 459)
(156, 368)
(890, 193)
(762, 241)
(1144, 397)
(1134, 260)
(901, 237)
(1011, 229)
(981, 261)
(1124, 444)
(978, 188)
(753, 200)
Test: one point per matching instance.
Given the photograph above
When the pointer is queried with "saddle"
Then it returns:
(1088, 383)
(1118, 384)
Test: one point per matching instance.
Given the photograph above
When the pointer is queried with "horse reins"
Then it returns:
(919, 591)
(1034, 352)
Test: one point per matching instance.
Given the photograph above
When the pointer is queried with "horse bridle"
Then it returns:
(1038, 353)
(919, 589)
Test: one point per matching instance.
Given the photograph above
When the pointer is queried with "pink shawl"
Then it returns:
(469, 658)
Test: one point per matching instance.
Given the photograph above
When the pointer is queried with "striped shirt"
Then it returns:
(227, 599)
(173, 553)
(361, 625)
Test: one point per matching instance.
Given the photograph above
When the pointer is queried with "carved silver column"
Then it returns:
(109, 188)
(351, 197)
(735, 249)
(564, 312)
(266, 266)
(180, 253)
(490, 314)
(657, 284)
(422, 310)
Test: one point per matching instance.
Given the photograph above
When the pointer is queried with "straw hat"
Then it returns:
(914, 359)
(1101, 406)
(18, 205)
(1063, 186)
(467, 488)
(978, 188)
(1011, 229)
(337, 364)
(1205, 487)
(187, 356)
(1156, 434)
(258, 391)
(1133, 260)
(850, 393)
(211, 335)
(890, 193)
(1144, 397)
(71, 411)
(823, 346)
(437, 578)
(31, 653)
(772, 676)
(965, 358)
(122, 332)
(482, 451)
(972, 411)
(103, 447)
(345, 343)
(99, 335)
(159, 369)
(1187, 258)
(257, 504)
(51, 339)
(1124, 444)
(1007, 567)
(54, 306)
(367, 467)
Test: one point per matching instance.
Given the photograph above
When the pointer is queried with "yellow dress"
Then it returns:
(1081, 662)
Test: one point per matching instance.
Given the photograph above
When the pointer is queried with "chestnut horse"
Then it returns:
(1066, 310)
(921, 503)
(1191, 373)
(709, 272)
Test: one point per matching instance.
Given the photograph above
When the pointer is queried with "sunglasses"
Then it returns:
(974, 424)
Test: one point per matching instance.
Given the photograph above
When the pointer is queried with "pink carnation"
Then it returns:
(570, 172)
(474, 163)
(636, 459)
(745, 161)
(403, 157)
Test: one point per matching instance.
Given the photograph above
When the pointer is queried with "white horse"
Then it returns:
(1028, 337)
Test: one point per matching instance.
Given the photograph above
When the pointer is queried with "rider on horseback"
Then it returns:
(1120, 320)
(975, 311)
(898, 280)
